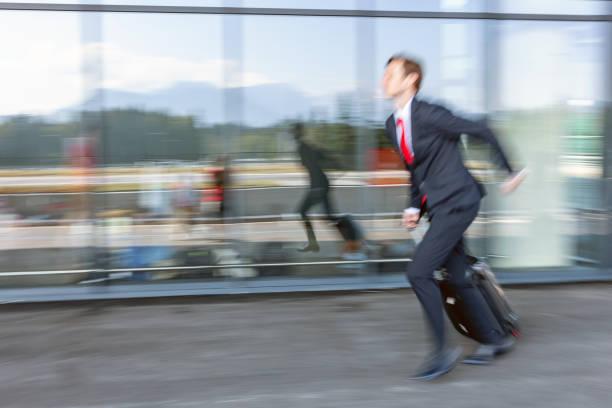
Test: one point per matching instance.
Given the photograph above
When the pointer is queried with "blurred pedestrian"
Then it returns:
(313, 159)
(427, 137)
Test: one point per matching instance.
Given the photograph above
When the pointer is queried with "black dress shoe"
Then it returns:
(438, 365)
(485, 353)
(313, 247)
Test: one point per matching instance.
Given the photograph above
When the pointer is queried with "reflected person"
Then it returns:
(312, 159)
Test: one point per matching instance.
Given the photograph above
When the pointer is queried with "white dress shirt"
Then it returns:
(405, 114)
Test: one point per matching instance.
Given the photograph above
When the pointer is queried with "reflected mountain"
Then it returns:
(264, 105)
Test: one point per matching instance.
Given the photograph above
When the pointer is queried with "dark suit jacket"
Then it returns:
(437, 170)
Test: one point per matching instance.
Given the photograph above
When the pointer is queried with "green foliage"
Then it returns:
(131, 135)
(30, 141)
(127, 136)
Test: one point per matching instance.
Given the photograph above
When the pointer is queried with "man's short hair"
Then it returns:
(410, 65)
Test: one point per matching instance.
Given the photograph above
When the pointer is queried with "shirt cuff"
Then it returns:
(412, 210)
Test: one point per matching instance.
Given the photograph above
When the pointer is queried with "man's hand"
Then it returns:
(513, 181)
(410, 220)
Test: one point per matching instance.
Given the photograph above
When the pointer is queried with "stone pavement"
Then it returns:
(351, 349)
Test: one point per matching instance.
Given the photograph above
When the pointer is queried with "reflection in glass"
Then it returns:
(179, 162)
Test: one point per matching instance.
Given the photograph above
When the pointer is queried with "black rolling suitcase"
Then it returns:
(459, 303)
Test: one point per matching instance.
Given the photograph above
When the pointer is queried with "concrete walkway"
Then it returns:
(351, 349)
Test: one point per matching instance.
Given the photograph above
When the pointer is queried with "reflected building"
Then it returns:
(162, 107)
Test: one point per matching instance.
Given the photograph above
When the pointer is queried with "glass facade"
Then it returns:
(161, 146)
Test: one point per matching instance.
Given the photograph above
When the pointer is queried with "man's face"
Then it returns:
(395, 81)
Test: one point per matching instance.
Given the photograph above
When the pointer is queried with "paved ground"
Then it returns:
(316, 350)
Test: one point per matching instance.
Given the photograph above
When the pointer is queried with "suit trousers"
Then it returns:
(443, 246)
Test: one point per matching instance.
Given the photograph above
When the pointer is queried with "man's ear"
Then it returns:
(412, 78)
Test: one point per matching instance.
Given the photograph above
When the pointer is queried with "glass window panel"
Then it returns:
(162, 103)
(290, 74)
(552, 115)
(44, 198)
(452, 55)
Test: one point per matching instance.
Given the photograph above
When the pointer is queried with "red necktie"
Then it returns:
(403, 145)
(406, 151)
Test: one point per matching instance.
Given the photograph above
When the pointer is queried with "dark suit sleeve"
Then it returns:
(441, 118)
(415, 195)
